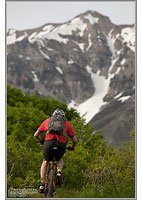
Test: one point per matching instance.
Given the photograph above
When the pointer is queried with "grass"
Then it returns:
(88, 192)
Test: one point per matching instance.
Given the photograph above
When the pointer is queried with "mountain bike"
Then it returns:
(49, 190)
(50, 183)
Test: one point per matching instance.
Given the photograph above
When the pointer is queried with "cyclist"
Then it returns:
(54, 140)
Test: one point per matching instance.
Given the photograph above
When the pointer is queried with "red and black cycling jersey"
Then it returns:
(67, 129)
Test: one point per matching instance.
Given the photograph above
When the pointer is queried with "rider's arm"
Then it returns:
(71, 134)
(41, 129)
(74, 141)
(37, 135)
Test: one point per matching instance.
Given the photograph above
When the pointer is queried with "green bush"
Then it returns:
(92, 170)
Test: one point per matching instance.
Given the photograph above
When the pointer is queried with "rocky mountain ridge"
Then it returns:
(87, 62)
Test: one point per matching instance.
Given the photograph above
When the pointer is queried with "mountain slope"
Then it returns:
(87, 62)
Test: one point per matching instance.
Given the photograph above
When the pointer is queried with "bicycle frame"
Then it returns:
(50, 185)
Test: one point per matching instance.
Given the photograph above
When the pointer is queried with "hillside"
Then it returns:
(92, 170)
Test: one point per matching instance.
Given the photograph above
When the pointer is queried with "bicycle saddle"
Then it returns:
(54, 148)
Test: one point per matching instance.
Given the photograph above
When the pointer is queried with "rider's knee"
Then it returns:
(45, 162)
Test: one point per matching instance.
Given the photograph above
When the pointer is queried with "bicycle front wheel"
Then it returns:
(50, 183)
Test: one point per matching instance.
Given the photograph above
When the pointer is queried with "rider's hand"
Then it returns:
(40, 142)
(70, 148)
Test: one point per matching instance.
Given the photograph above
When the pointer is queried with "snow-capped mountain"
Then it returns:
(87, 62)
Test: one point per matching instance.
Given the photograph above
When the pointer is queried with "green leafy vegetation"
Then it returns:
(92, 170)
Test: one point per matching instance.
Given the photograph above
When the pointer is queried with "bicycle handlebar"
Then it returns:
(40, 142)
(69, 148)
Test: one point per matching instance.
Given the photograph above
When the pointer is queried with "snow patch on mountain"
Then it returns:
(70, 62)
(89, 42)
(49, 49)
(111, 41)
(121, 98)
(51, 32)
(123, 61)
(113, 61)
(11, 31)
(48, 28)
(44, 54)
(40, 43)
(59, 70)
(21, 56)
(28, 58)
(128, 35)
(91, 19)
(22, 37)
(99, 40)
(80, 45)
(124, 98)
(118, 95)
(11, 38)
(91, 106)
(75, 49)
(32, 37)
(35, 77)
(77, 24)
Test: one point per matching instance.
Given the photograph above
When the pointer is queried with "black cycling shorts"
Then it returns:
(47, 154)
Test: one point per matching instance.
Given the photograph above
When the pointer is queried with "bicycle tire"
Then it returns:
(46, 184)
(46, 190)
(50, 183)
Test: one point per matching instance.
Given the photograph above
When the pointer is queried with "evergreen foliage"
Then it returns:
(92, 170)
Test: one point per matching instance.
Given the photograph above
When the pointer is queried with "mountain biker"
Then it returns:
(54, 140)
